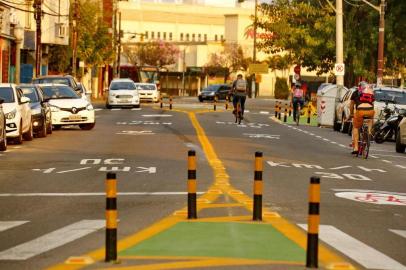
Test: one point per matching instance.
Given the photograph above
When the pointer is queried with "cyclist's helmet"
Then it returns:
(298, 85)
(362, 85)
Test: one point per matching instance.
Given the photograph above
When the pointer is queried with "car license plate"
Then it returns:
(75, 117)
(124, 101)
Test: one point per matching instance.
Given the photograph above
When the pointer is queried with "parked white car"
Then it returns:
(68, 108)
(401, 136)
(343, 112)
(148, 91)
(391, 96)
(122, 92)
(17, 110)
(3, 134)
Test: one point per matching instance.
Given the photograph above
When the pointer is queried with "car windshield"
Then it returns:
(59, 92)
(7, 94)
(211, 88)
(397, 97)
(30, 92)
(122, 86)
(151, 87)
(52, 80)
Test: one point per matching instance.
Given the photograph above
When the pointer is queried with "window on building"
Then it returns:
(215, 37)
(146, 34)
(193, 37)
(199, 37)
(181, 36)
(164, 35)
(170, 36)
(158, 35)
(205, 37)
(152, 35)
(221, 38)
(187, 37)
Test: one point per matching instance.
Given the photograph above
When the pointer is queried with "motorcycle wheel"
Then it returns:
(379, 137)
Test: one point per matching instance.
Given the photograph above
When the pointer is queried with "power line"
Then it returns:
(30, 11)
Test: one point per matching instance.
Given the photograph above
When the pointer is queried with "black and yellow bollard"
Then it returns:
(279, 110)
(276, 109)
(215, 103)
(161, 101)
(309, 112)
(285, 116)
(258, 187)
(290, 109)
(191, 185)
(170, 102)
(111, 217)
(313, 223)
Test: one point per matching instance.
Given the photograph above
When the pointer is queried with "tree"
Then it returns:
(60, 58)
(232, 57)
(155, 53)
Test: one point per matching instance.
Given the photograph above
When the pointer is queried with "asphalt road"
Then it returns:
(52, 190)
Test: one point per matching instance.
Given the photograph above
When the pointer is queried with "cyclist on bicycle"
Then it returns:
(239, 93)
(297, 98)
(363, 102)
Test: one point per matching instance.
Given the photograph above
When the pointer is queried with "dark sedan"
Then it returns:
(41, 112)
(220, 91)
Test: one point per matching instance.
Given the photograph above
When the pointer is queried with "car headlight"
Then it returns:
(11, 114)
(54, 108)
(89, 107)
(211, 94)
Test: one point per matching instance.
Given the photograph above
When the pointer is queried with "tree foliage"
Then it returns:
(155, 53)
(60, 58)
(232, 57)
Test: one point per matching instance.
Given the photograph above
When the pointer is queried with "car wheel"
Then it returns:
(400, 148)
(3, 143)
(349, 129)
(19, 139)
(56, 127)
(108, 106)
(43, 132)
(336, 125)
(29, 135)
(344, 125)
(87, 126)
(49, 128)
(200, 99)
(137, 106)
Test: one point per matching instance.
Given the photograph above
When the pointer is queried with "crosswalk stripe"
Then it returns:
(52, 240)
(399, 232)
(5, 225)
(365, 255)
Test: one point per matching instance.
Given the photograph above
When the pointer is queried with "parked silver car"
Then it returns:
(401, 137)
(342, 112)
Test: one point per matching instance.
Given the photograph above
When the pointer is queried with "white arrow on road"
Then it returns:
(135, 132)
(145, 169)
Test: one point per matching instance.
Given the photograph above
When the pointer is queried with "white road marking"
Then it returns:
(401, 166)
(136, 109)
(246, 111)
(263, 112)
(399, 232)
(115, 109)
(327, 140)
(361, 253)
(82, 194)
(135, 132)
(52, 240)
(74, 170)
(98, 109)
(342, 145)
(311, 134)
(386, 161)
(381, 155)
(369, 190)
(334, 142)
(5, 225)
(317, 136)
(156, 115)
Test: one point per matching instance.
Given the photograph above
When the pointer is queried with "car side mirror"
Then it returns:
(25, 100)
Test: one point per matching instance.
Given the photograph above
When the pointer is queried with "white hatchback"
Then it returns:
(17, 110)
(68, 108)
(148, 91)
(122, 92)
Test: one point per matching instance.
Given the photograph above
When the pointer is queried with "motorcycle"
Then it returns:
(386, 127)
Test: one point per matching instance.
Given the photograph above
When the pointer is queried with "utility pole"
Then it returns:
(254, 54)
(74, 36)
(381, 38)
(38, 52)
(119, 44)
(115, 37)
(339, 41)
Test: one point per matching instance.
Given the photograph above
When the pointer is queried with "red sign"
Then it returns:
(250, 33)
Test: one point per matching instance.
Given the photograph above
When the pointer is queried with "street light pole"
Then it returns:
(339, 40)
(254, 55)
(37, 17)
(381, 38)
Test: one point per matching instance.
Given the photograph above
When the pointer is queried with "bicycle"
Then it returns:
(298, 109)
(238, 112)
(364, 140)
